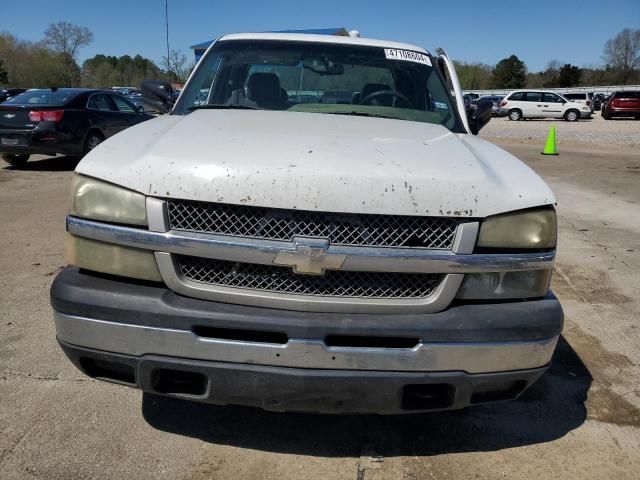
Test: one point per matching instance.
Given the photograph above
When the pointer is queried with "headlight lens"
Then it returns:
(100, 200)
(505, 285)
(113, 259)
(534, 229)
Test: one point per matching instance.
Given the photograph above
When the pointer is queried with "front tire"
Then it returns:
(92, 141)
(572, 116)
(515, 115)
(16, 160)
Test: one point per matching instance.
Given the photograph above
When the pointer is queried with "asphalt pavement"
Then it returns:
(580, 421)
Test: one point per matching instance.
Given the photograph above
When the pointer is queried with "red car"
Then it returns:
(622, 104)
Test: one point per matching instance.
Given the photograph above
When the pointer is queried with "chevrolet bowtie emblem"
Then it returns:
(9, 115)
(310, 257)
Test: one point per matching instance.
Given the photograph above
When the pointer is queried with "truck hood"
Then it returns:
(312, 161)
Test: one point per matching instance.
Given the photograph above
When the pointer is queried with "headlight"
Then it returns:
(534, 229)
(113, 259)
(505, 285)
(100, 200)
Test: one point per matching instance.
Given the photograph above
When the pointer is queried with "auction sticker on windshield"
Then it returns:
(407, 56)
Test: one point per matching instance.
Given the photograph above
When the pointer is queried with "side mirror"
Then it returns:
(158, 95)
(479, 116)
(139, 109)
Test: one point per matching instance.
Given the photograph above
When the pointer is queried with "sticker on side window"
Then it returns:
(407, 56)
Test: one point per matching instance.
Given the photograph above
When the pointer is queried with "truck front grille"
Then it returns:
(339, 228)
(334, 283)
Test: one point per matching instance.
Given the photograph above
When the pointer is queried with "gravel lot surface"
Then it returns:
(597, 130)
(580, 421)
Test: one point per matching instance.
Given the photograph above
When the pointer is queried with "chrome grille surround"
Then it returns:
(334, 283)
(370, 230)
(167, 244)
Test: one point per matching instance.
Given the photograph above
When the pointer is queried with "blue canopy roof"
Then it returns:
(314, 31)
(201, 46)
(319, 31)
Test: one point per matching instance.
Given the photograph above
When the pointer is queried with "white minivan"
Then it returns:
(540, 104)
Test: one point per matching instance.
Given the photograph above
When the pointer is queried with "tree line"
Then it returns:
(621, 56)
(53, 61)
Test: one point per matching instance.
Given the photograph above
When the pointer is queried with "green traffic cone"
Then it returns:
(550, 146)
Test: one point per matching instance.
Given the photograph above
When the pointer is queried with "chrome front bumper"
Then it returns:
(138, 340)
(113, 315)
(147, 336)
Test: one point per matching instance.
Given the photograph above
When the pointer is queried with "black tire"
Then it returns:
(94, 138)
(515, 114)
(572, 115)
(17, 160)
(605, 114)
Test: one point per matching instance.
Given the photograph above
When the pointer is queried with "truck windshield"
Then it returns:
(320, 78)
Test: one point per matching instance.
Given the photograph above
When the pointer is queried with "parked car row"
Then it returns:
(72, 121)
(69, 121)
(523, 104)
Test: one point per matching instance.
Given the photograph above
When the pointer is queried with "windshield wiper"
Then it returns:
(361, 114)
(213, 106)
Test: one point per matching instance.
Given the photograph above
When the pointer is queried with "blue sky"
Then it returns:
(572, 31)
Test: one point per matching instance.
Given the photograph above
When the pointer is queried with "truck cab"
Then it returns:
(314, 226)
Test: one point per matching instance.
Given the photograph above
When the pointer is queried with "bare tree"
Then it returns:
(177, 65)
(550, 74)
(67, 39)
(622, 52)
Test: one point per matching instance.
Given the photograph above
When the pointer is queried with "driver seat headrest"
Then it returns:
(264, 89)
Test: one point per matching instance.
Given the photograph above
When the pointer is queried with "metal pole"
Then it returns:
(300, 86)
(166, 17)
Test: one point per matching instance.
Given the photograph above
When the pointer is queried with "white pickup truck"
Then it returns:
(313, 227)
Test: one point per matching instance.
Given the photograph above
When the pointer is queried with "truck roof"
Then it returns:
(335, 39)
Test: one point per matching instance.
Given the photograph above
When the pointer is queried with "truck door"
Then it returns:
(449, 71)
